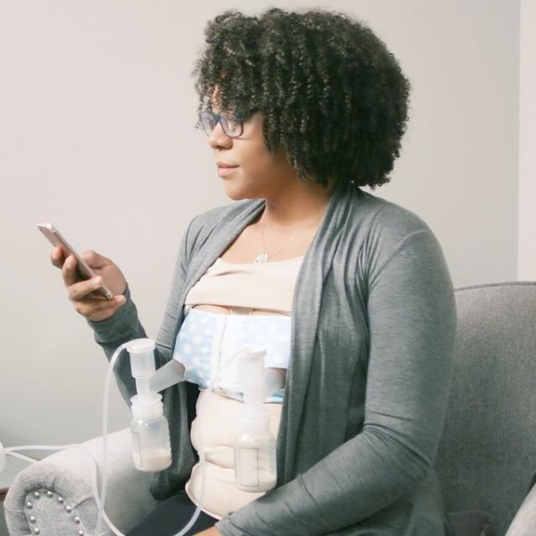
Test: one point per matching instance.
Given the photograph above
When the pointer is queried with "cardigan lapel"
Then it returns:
(306, 309)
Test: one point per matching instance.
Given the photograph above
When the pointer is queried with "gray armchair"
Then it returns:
(54, 497)
(487, 456)
(486, 461)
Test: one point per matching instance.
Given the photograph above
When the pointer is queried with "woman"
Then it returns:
(301, 110)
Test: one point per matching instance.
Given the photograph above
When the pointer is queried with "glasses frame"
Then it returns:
(222, 120)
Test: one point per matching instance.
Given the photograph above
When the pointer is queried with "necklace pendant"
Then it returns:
(262, 258)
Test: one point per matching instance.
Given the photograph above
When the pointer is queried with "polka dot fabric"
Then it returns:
(207, 346)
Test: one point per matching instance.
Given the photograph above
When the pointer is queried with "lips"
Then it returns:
(224, 165)
(225, 171)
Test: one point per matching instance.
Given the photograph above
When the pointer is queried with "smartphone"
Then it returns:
(56, 239)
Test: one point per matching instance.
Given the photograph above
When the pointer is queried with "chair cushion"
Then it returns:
(470, 522)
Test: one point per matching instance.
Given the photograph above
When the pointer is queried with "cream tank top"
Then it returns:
(205, 344)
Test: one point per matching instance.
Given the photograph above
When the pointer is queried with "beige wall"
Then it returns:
(527, 143)
(97, 113)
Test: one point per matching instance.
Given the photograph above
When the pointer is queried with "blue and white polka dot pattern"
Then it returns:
(207, 344)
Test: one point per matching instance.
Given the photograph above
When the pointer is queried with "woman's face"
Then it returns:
(258, 174)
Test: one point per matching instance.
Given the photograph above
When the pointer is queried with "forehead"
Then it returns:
(214, 99)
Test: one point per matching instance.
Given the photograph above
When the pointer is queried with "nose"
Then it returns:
(218, 138)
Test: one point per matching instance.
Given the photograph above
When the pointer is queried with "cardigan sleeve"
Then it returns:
(125, 325)
(412, 323)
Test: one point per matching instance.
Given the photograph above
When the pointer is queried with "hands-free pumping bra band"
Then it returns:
(207, 343)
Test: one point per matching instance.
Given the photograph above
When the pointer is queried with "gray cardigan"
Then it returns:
(373, 332)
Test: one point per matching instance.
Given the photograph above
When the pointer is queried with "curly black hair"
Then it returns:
(331, 93)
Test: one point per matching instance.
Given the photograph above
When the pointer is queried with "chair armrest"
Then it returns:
(56, 495)
(524, 522)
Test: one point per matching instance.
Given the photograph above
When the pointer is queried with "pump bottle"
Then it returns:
(151, 446)
(255, 452)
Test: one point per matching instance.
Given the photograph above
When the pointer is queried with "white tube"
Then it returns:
(20, 456)
(101, 500)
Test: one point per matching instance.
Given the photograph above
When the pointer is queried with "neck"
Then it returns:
(296, 205)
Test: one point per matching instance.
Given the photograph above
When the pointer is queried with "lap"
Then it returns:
(171, 516)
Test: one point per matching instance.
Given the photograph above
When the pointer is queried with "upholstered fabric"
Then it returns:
(487, 454)
(64, 483)
(471, 522)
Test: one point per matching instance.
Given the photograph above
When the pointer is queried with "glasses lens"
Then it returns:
(231, 128)
(209, 121)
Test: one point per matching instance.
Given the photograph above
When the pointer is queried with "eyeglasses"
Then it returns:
(209, 120)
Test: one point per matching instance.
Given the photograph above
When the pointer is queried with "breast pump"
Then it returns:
(255, 461)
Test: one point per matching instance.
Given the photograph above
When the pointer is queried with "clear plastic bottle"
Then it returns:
(255, 454)
(151, 445)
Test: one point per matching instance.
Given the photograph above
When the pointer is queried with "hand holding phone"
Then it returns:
(84, 270)
(85, 275)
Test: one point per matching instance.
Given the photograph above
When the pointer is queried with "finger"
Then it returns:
(78, 291)
(93, 259)
(69, 272)
(119, 300)
(93, 308)
(56, 257)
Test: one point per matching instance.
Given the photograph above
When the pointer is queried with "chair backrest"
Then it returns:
(487, 456)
